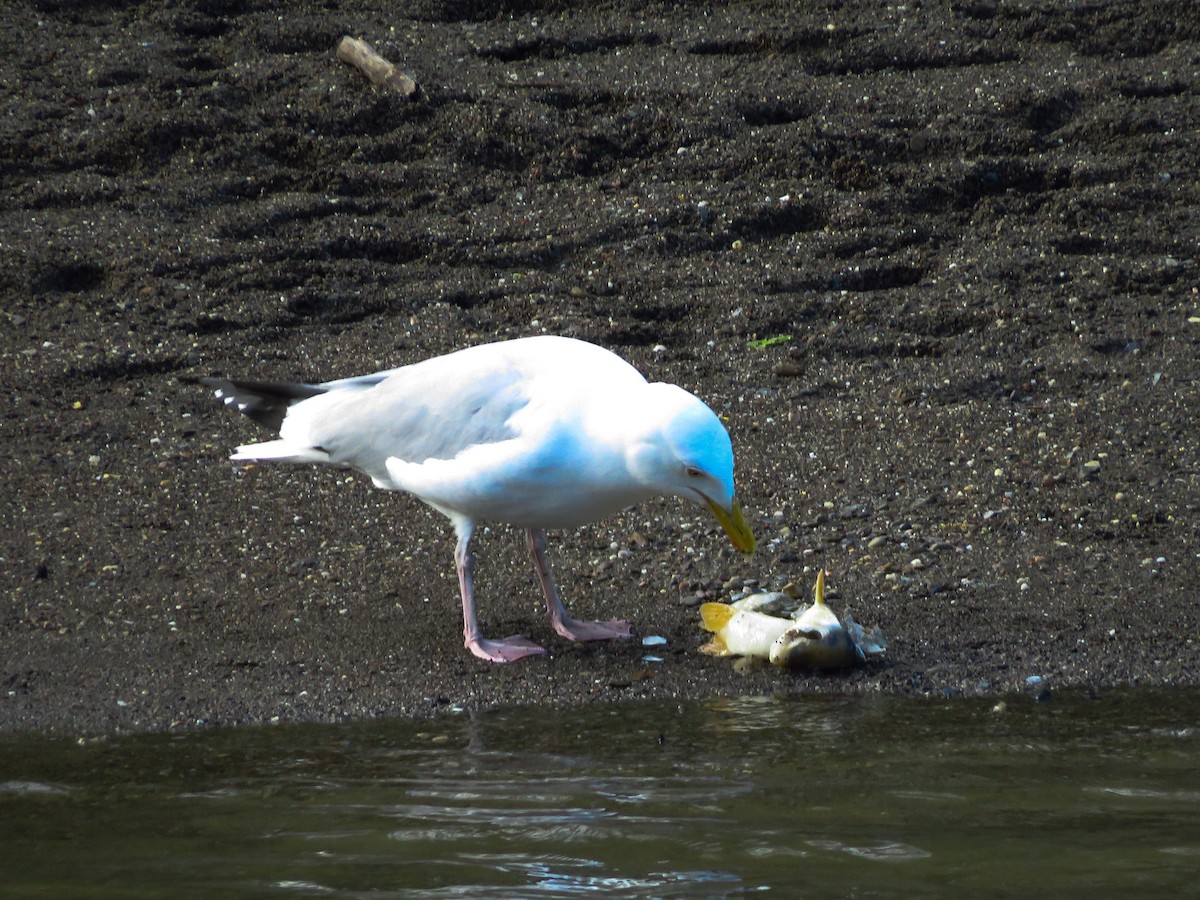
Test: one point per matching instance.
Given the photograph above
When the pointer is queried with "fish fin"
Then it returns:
(874, 643)
(867, 643)
(716, 615)
(819, 591)
(715, 647)
(852, 627)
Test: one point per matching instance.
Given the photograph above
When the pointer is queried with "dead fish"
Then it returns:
(813, 639)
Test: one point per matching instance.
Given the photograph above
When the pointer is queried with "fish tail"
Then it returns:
(715, 615)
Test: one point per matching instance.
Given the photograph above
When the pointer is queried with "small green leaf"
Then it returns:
(764, 343)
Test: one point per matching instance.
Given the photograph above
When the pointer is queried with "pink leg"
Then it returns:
(563, 623)
(507, 650)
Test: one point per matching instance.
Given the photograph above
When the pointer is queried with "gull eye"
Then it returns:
(692, 471)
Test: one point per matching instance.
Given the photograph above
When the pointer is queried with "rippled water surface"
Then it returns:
(800, 797)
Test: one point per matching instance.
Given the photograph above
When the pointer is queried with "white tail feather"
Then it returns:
(282, 451)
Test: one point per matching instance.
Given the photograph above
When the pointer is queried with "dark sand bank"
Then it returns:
(976, 221)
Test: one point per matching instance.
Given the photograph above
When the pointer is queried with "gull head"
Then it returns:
(684, 450)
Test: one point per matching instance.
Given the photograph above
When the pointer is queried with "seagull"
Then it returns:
(542, 432)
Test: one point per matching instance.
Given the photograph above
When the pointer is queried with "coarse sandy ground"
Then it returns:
(971, 226)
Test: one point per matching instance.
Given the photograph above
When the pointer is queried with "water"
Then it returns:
(797, 797)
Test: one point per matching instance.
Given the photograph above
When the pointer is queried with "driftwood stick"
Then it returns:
(381, 72)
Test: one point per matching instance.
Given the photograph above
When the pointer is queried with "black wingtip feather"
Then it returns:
(266, 402)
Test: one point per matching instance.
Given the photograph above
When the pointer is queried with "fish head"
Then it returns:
(820, 647)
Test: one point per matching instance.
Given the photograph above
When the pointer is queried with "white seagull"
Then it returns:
(539, 432)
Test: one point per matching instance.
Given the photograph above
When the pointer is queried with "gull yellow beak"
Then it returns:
(734, 524)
